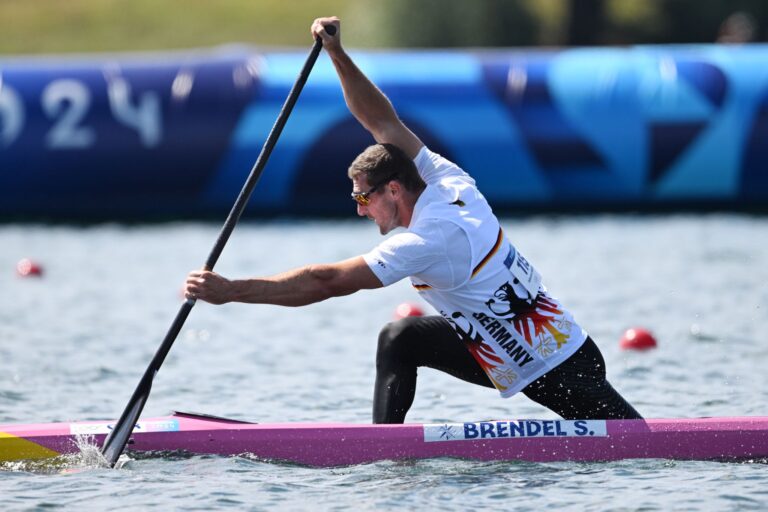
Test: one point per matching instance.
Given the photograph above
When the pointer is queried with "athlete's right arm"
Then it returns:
(297, 287)
(366, 101)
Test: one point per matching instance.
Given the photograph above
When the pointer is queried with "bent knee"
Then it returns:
(395, 341)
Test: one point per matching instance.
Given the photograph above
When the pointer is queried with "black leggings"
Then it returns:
(576, 389)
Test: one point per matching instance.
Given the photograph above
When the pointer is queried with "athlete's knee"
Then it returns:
(395, 339)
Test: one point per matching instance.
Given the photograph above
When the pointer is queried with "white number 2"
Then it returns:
(67, 100)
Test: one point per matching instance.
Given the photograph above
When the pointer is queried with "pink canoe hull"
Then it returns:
(339, 444)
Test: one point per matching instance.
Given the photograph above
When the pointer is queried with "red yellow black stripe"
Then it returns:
(490, 254)
(479, 267)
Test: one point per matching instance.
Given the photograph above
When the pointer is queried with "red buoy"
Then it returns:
(637, 338)
(28, 268)
(407, 309)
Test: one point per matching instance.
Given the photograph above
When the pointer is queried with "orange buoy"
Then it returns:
(407, 309)
(28, 268)
(637, 338)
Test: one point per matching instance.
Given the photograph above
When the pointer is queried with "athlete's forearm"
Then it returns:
(365, 101)
(298, 287)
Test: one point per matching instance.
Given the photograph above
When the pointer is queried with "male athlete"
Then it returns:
(498, 326)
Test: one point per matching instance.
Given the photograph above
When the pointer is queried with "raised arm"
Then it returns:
(298, 287)
(366, 101)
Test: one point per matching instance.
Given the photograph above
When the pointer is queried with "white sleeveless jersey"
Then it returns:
(500, 310)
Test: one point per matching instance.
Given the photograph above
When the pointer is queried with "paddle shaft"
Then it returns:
(120, 434)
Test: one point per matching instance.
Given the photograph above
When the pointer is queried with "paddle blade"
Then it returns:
(115, 442)
(118, 438)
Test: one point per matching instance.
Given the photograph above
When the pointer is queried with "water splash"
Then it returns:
(88, 457)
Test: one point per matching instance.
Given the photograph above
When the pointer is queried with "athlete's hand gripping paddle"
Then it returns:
(120, 434)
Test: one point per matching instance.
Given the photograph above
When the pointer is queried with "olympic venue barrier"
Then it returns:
(173, 135)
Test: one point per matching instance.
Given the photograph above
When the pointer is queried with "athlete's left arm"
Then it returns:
(297, 287)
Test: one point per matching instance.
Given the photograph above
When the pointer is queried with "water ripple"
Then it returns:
(76, 342)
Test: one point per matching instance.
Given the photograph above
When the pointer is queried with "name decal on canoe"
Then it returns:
(105, 428)
(513, 429)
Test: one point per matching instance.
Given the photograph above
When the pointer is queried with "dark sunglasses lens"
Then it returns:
(361, 198)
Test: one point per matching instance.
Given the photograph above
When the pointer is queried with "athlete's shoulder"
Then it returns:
(434, 167)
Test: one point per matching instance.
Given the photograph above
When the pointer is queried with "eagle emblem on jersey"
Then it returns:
(537, 321)
(506, 302)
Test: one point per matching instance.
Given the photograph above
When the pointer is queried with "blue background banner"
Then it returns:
(172, 136)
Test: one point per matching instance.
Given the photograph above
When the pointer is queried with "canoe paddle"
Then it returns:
(121, 432)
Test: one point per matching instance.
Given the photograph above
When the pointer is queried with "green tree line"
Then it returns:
(56, 26)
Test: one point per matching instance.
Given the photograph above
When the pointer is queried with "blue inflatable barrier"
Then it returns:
(159, 136)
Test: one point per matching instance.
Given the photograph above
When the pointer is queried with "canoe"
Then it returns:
(340, 444)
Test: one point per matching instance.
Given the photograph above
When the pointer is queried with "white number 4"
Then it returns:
(144, 117)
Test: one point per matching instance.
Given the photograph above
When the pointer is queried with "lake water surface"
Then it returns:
(74, 343)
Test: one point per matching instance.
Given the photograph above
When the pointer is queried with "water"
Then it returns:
(74, 343)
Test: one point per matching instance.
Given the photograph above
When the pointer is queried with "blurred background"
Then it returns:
(147, 109)
(54, 26)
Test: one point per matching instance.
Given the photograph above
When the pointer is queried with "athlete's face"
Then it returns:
(382, 207)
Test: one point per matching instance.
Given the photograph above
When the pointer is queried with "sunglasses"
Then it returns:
(364, 198)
